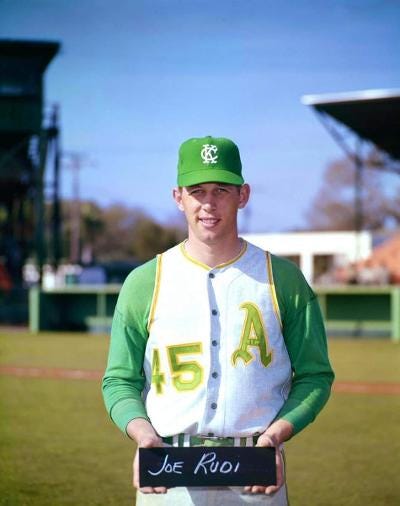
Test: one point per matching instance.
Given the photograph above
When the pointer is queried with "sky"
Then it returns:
(135, 78)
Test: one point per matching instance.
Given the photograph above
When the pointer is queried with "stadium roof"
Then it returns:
(33, 53)
(374, 115)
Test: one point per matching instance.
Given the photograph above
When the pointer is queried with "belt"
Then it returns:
(189, 440)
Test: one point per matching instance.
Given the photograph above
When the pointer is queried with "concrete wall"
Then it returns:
(345, 247)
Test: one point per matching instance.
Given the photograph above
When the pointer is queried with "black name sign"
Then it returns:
(206, 466)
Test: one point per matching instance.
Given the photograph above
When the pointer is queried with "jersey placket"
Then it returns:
(213, 381)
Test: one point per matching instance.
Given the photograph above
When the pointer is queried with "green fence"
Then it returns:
(75, 307)
(361, 310)
(347, 310)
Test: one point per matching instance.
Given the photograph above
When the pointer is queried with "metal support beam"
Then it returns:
(39, 203)
(54, 140)
(355, 155)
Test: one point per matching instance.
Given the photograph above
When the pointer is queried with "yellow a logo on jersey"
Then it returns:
(253, 334)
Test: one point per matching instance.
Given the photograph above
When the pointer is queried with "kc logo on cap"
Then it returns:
(209, 153)
(209, 159)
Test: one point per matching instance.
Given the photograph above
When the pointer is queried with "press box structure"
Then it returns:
(28, 140)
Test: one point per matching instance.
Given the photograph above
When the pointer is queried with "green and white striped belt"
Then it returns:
(189, 440)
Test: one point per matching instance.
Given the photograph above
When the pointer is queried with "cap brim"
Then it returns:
(209, 176)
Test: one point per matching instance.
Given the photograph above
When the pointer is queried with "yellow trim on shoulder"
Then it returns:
(155, 293)
(219, 266)
(272, 288)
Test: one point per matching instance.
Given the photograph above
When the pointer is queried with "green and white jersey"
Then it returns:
(220, 351)
(216, 361)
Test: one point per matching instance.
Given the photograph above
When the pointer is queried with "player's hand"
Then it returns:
(266, 441)
(274, 436)
(146, 437)
(136, 484)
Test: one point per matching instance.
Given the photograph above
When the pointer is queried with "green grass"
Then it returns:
(70, 350)
(58, 447)
(374, 360)
(350, 456)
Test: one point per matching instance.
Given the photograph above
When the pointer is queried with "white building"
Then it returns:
(316, 252)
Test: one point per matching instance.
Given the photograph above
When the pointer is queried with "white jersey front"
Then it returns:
(216, 361)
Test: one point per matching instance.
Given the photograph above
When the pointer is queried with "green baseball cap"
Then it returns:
(209, 159)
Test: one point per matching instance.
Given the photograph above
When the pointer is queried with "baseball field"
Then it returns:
(57, 446)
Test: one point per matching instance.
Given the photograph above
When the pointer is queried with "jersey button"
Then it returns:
(211, 275)
(214, 375)
(214, 342)
(214, 405)
(214, 312)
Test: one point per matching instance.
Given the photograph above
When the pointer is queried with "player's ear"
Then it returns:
(177, 196)
(244, 195)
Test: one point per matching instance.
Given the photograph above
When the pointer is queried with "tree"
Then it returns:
(333, 207)
(116, 240)
(92, 227)
(117, 233)
(152, 238)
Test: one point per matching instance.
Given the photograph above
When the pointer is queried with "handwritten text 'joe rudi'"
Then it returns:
(208, 463)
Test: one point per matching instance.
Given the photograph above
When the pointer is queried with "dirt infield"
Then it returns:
(354, 387)
(49, 372)
(346, 387)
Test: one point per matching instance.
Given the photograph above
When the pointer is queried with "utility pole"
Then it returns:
(75, 162)
(358, 201)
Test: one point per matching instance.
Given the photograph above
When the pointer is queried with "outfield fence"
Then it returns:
(355, 310)
(348, 310)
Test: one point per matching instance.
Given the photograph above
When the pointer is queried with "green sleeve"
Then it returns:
(123, 381)
(305, 339)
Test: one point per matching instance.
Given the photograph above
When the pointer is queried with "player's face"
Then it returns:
(211, 209)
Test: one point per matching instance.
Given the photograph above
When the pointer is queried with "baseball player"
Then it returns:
(215, 341)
